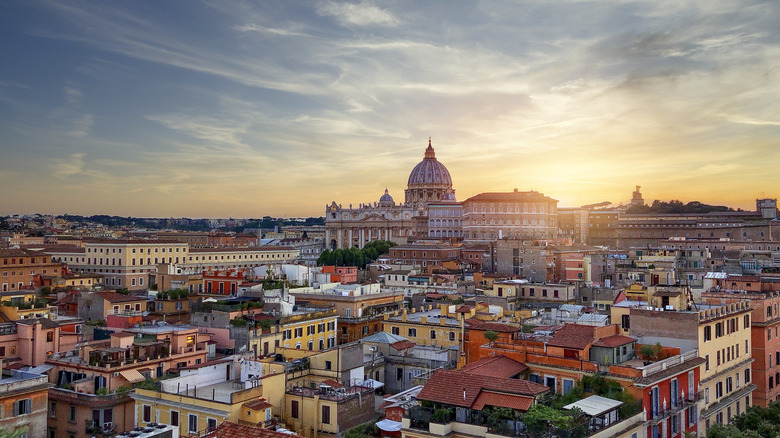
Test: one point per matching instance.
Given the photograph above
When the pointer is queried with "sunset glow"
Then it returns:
(217, 109)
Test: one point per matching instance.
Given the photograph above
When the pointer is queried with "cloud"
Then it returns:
(268, 30)
(81, 126)
(72, 165)
(360, 14)
(72, 95)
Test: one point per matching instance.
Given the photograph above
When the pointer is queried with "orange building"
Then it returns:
(19, 268)
(23, 402)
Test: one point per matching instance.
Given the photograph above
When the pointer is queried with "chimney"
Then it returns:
(424, 320)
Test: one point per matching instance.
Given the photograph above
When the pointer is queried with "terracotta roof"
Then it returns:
(464, 309)
(488, 398)
(498, 366)
(457, 388)
(113, 297)
(229, 429)
(258, 404)
(478, 324)
(402, 345)
(123, 334)
(574, 336)
(332, 383)
(613, 341)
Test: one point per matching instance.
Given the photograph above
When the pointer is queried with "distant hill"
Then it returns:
(675, 206)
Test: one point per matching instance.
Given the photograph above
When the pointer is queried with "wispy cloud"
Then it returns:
(361, 14)
(71, 165)
(268, 30)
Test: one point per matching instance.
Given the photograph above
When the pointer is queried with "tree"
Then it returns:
(16, 433)
(490, 335)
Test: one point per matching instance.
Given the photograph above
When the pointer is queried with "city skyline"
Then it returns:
(203, 109)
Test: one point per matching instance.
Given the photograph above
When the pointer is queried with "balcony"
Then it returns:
(96, 429)
(682, 404)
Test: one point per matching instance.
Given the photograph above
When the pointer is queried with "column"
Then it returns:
(338, 243)
(350, 238)
(362, 237)
(327, 238)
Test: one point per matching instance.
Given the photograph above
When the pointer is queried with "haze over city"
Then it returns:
(217, 109)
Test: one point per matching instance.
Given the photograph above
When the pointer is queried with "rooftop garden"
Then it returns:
(173, 294)
(547, 418)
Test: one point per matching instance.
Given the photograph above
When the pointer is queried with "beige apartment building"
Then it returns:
(124, 263)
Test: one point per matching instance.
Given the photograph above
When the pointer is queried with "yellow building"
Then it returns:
(636, 292)
(23, 305)
(302, 330)
(209, 394)
(426, 327)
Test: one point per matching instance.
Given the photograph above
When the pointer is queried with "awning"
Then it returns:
(389, 425)
(132, 376)
(371, 383)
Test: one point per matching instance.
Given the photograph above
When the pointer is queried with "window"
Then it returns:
(22, 407)
(433, 334)
(413, 332)
(192, 423)
(53, 409)
(394, 330)
(399, 374)
(719, 389)
(294, 409)
(174, 418)
(211, 424)
(747, 375)
(72, 417)
(147, 414)
(326, 414)
(707, 363)
(707, 333)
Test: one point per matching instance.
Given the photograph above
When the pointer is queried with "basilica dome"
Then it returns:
(430, 171)
(429, 181)
(386, 200)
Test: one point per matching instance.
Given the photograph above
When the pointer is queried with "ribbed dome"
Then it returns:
(386, 198)
(429, 171)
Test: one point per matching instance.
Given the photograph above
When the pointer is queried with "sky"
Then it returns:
(245, 109)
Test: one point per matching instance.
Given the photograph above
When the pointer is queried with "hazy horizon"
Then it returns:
(212, 109)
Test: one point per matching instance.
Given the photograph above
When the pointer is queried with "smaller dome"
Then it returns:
(386, 199)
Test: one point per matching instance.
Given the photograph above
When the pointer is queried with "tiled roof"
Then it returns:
(498, 366)
(613, 341)
(332, 383)
(402, 345)
(574, 336)
(464, 309)
(113, 297)
(258, 404)
(478, 324)
(457, 388)
(229, 429)
(489, 398)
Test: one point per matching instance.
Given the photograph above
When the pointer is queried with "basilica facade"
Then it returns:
(430, 211)
(429, 183)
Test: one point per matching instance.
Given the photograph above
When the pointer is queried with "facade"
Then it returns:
(124, 263)
(204, 397)
(422, 254)
(19, 268)
(359, 315)
(445, 220)
(515, 215)
(204, 259)
(426, 327)
(722, 336)
(765, 342)
(528, 259)
(23, 402)
(429, 182)
(306, 329)
(98, 305)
